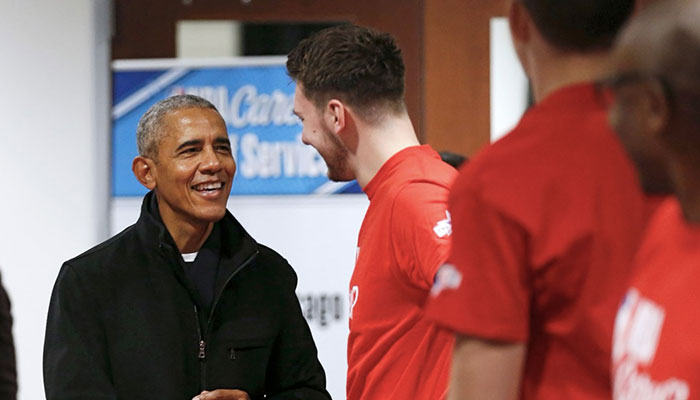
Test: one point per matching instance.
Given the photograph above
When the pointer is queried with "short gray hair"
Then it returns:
(149, 132)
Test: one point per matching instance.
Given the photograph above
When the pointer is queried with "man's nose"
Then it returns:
(210, 161)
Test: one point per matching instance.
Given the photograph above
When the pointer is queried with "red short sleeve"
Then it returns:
(421, 230)
(484, 290)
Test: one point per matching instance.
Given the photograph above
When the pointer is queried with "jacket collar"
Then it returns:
(237, 245)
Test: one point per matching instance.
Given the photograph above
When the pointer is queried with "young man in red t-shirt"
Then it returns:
(656, 88)
(350, 98)
(546, 222)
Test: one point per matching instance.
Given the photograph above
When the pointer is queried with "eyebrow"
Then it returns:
(188, 143)
(195, 142)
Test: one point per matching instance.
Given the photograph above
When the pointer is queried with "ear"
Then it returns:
(144, 170)
(519, 22)
(656, 108)
(335, 115)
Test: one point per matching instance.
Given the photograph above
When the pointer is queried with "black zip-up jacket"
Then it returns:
(123, 322)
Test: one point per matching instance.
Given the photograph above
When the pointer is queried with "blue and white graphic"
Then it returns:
(256, 98)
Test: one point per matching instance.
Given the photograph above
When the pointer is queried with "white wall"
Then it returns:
(508, 81)
(54, 106)
(207, 38)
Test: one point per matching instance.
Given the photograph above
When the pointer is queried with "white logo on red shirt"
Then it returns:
(636, 339)
(447, 277)
(354, 295)
(444, 226)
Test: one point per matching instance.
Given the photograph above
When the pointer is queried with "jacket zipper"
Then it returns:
(202, 354)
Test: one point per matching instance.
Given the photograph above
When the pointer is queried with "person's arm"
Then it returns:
(483, 369)
(76, 364)
(294, 371)
(8, 372)
(483, 294)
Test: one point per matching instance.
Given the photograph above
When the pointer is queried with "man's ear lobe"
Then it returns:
(144, 171)
(656, 107)
(336, 115)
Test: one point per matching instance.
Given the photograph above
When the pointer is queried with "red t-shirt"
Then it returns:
(546, 223)
(656, 353)
(393, 351)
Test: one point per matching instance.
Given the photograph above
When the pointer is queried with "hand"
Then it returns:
(222, 394)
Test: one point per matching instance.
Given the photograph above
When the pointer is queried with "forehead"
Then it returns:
(625, 57)
(640, 47)
(300, 100)
(187, 122)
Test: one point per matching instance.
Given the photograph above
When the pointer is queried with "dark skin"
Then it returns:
(655, 114)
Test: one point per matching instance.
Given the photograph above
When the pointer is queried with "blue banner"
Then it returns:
(255, 99)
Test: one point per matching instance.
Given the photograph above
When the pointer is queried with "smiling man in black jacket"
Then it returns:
(183, 303)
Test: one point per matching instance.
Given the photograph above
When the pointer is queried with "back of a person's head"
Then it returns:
(355, 64)
(454, 159)
(663, 41)
(579, 25)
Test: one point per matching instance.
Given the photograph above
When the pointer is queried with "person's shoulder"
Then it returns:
(268, 264)
(420, 176)
(507, 177)
(544, 148)
(274, 266)
(116, 247)
(420, 196)
(504, 164)
(665, 224)
(98, 268)
(427, 166)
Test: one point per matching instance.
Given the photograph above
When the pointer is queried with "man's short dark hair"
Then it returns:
(579, 25)
(357, 65)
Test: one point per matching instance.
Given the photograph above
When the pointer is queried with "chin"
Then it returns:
(339, 179)
(212, 215)
(340, 176)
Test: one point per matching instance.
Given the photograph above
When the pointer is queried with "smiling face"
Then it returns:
(318, 134)
(193, 169)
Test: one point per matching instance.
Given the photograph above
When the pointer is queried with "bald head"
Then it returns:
(664, 39)
(657, 90)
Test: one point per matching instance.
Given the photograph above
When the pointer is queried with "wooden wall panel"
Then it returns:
(457, 85)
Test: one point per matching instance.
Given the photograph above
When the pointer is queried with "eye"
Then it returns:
(223, 148)
(189, 151)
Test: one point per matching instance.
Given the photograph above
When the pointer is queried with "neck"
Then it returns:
(188, 236)
(685, 173)
(378, 143)
(551, 70)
